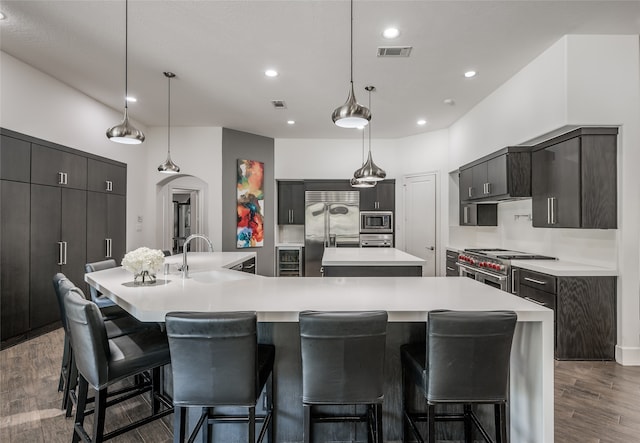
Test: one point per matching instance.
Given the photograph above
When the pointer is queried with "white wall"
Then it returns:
(38, 105)
(580, 80)
(198, 153)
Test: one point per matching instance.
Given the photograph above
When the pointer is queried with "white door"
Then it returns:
(420, 219)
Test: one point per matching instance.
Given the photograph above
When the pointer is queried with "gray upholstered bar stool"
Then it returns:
(216, 361)
(103, 361)
(115, 328)
(343, 364)
(465, 361)
(109, 308)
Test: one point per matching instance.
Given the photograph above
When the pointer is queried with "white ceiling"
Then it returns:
(220, 49)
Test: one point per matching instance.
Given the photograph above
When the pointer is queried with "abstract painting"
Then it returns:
(250, 233)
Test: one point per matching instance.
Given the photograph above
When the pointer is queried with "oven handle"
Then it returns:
(497, 277)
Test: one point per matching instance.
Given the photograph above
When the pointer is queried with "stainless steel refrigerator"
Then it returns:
(332, 219)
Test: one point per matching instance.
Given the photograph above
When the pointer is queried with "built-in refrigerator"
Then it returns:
(332, 219)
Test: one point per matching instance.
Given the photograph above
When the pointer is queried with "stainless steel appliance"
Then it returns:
(376, 240)
(372, 222)
(331, 220)
(289, 261)
(493, 266)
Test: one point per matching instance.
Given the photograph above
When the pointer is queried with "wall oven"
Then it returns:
(376, 222)
(488, 278)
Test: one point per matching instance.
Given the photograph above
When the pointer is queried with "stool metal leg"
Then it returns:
(431, 424)
(179, 424)
(207, 412)
(468, 428)
(501, 422)
(252, 424)
(307, 428)
(379, 436)
(99, 413)
(83, 390)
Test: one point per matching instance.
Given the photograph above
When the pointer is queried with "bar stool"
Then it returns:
(103, 361)
(109, 308)
(217, 361)
(343, 364)
(465, 360)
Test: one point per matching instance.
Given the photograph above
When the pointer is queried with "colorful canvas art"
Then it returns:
(250, 233)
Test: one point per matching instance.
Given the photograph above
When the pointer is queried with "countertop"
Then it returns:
(564, 268)
(369, 257)
(281, 299)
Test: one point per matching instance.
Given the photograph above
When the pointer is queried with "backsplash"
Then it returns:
(589, 246)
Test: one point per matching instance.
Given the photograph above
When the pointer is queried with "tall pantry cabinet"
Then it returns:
(45, 211)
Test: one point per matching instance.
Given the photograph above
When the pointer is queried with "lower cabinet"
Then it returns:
(584, 310)
(248, 266)
(452, 264)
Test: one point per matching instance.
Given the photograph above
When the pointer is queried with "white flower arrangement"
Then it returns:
(143, 259)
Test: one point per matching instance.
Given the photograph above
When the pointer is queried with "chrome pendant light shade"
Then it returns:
(351, 114)
(169, 167)
(369, 170)
(125, 132)
(357, 182)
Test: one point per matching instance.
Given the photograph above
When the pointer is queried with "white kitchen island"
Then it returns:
(373, 262)
(278, 301)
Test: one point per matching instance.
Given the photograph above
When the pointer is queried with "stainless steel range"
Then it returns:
(493, 266)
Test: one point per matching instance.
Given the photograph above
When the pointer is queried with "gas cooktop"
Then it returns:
(506, 254)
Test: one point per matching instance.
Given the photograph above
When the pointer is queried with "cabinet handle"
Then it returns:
(535, 301)
(109, 186)
(488, 188)
(533, 280)
(64, 244)
(60, 253)
(450, 268)
(548, 210)
(290, 215)
(62, 178)
(109, 244)
(470, 191)
(452, 257)
(553, 212)
(251, 266)
(513, 281)
(465, 214)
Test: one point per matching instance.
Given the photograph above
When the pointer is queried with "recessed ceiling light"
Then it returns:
(470, 74)
(2, 16)
(271, 73)
(449, 101)
(131, 99)
(422, 122)
(291, 122)
(391, 33)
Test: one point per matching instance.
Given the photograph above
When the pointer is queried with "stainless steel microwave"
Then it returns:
(376, 222)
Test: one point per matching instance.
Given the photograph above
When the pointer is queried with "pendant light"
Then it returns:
(370, 171)
(169, 167)
(351, 114)
(359, 183)
(125, 132)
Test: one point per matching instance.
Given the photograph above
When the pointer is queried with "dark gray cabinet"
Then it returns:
(382, 197)
(106, 226)
(55, 167)
(584, 312)
(502, 175)
(15, 159)
(57, 244)
(14, 258)
(44, 219)
(106, 177)
(474, 214)
(452, 263)
(290, 202)
(574, 179)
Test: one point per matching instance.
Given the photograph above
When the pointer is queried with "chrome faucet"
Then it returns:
(185, 267)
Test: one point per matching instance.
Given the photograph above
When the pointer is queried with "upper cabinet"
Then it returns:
(290, 202)
(382, 197)
(107, 177)
(502, 175)
(15, 159)
(574, 179)
(57, 168)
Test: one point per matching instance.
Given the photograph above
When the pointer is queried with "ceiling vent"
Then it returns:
(279, 104)
(394, 51)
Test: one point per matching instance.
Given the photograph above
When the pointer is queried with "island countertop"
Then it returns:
(278, 301)
(369, 257)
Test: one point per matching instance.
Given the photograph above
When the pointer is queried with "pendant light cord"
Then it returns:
(169, 121)
(126, 52)
(369, 125)
(351, 53)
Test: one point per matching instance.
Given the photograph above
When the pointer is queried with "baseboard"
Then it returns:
(628, 356)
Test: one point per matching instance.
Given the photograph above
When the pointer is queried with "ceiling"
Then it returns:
(219, 51)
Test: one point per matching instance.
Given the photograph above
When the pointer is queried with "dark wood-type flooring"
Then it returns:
(595, 402)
